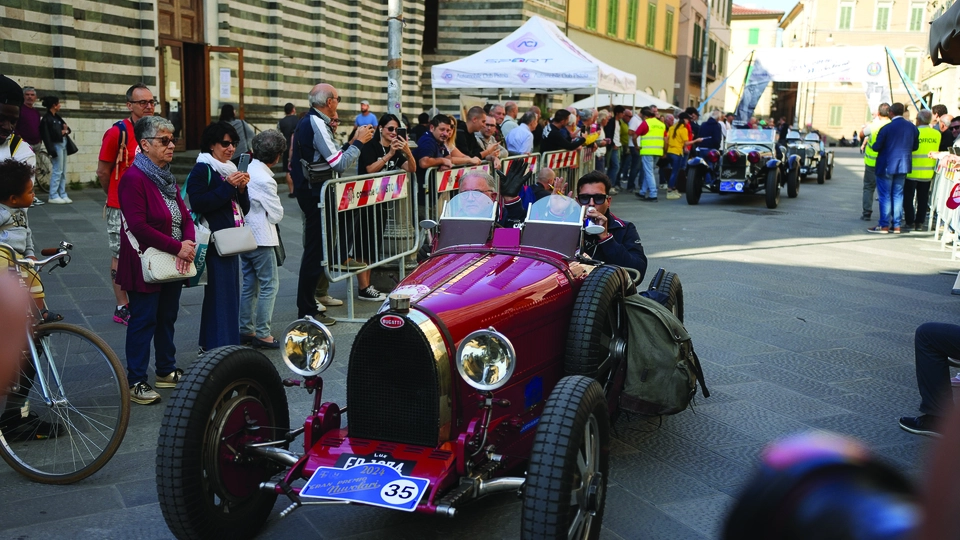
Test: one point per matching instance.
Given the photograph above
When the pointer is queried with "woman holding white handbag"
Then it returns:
(154, 216)
(218, 195)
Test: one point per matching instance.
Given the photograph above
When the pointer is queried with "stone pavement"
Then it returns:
(803, 322)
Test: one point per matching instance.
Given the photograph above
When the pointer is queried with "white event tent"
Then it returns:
(536, 57)
(637, 99)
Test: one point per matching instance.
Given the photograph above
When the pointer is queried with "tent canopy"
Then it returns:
(535, 57)
(643, 99)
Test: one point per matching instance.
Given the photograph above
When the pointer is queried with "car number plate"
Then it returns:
(731, 187)
(373, 484)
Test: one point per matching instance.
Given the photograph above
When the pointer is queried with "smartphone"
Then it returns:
(402, 133)
(244, 162)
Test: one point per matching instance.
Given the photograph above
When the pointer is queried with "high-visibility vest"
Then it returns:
(923, 166)
(651, 144)
(869, 154)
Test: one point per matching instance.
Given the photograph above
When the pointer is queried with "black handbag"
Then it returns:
(278, 249)
(71, 146)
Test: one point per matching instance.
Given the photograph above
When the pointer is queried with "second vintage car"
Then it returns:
(750, 162)
(813, 156)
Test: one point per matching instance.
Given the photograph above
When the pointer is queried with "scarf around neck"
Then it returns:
(162, 177)
(224, 169)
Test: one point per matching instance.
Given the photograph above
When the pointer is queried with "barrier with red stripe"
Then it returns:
(449, 180)
(530, 159)
(562, 159)
(371, 191)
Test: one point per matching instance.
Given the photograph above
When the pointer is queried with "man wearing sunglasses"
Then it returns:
(619, 243)
(117, 151)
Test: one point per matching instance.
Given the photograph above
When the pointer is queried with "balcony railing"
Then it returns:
(696, 70)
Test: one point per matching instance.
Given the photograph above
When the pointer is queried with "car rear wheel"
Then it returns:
(669, 284)
(694, 185)
(793, 182)
(207, 485)
(772, 189)
(821, 170)
(565, 490)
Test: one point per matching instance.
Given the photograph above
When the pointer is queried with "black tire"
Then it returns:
(559, 492)
(92, 410)
(694, 185)
(772, 189)
(597, 320)
(793, 182)
(830, 171)
(669, 284)
(821, 169)
(198, 425)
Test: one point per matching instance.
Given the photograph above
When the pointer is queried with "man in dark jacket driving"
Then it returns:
(619, 243)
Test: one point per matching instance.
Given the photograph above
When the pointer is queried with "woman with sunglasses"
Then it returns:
(155, 216)
(386, 151)
(218, 193)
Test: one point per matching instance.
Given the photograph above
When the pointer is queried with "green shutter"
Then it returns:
(697, 49)
(916, 18)
(910, 68)
(846, 13)
(754, 38)
(592, 14)
(613, 16)
(720, 63)
(836, 115)
(668, 32)
(651, 24)
(633, 11)
(883, 18)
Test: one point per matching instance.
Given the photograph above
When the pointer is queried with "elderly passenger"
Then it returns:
(259, 267)
(156, 217)
(218, 194)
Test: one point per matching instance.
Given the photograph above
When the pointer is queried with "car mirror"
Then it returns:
(428, 224)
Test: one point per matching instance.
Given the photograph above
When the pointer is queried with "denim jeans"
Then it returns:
(631, 173)
(152, 317)
(259, 293)
(58, 172)
(869, 187)
(613, 169)
(933, 343)
(676, 162)
(890, 193)
(649, 186)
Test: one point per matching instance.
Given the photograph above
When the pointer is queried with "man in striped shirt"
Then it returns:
(316, 158)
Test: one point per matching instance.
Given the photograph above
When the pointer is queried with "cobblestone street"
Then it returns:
(802, 320)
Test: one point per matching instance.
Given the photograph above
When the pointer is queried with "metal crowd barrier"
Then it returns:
(531, 160)
(441, 186)
(566, 164)
(367, 219)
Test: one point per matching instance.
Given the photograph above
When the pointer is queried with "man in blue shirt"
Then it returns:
(520, 139)
(365, 118)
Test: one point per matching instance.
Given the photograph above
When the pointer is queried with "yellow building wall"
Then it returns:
(577, 17)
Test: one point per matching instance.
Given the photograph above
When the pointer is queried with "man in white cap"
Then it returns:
(365, 118)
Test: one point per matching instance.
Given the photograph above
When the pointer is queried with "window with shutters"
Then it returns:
(882, 18)
(697, 49)
(836, 115)
(910, 67)
(712, 51)
(754, 36)
(723, 55)
(668, 32)
(651, 24)
(633, 11)
(845, 17)
(916, 17)
(613, 16)
(592, 14)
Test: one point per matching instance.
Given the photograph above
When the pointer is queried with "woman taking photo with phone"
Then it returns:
(218, 194)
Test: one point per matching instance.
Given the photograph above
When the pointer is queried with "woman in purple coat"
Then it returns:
(155, 216)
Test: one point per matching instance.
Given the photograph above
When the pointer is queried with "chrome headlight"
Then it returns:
(486, 359)
(307, 347)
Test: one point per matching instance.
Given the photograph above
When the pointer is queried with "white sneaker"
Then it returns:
(56, 200)
(329, 301)
(320, 307)
(66, 200)
(143, 394)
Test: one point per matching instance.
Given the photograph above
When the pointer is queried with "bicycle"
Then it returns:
(43, 169)
(72, 380)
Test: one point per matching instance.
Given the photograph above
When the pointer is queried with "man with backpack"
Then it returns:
(117, 151)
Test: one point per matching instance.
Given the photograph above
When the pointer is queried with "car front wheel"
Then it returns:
(566, 485)
(772, 189)
(793, 182)
(694, 185)
(821, 170)
(208, 486)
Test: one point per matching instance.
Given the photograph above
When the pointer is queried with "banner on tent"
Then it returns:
(815, 64)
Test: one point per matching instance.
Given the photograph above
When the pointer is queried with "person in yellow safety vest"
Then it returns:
(869, 135)
(918, 180)
(650, 136)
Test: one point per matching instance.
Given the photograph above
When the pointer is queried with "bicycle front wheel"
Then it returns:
(43, 170)
(79, 387)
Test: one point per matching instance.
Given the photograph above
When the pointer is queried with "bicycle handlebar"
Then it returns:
(54, 254)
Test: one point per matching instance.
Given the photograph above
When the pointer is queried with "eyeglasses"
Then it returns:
(487, 191)
(145, 102)
(164, 141)
(598, 198)
(336, 98)
(490, 125)
(225, 144)
(334, 121)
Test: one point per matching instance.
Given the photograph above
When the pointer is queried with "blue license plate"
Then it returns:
(374, 484)
(732, 187)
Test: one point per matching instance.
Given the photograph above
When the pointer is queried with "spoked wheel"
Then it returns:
(669, 284)
(43, 169)
(793, 182)
(772, 189)
(694, 185)
(73, 407)
(597, 337)
(566, 486)
(208, 485)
